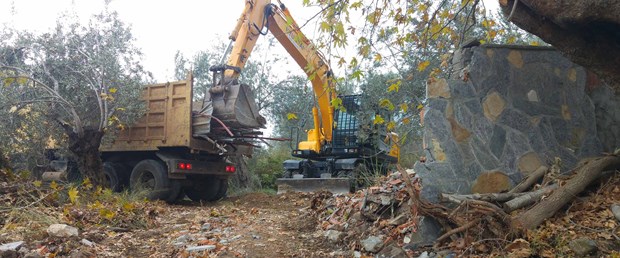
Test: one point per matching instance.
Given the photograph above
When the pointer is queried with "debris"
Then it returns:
(391, 251)
(333, 235)
(357, 254)
(62, 230)
(372, 244)
(200, 248)
(205, 227)
(583, 246)
(87, 242)
(183, 239)
(384, 209)
(615, 209)
(14, 246)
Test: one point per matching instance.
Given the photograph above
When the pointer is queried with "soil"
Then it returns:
(250, 225)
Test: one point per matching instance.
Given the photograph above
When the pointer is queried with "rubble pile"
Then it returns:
(379, 219)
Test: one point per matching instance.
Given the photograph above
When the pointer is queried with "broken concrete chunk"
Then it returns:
(372, 244)
(62, 230)
(14, 246)
(200, 248)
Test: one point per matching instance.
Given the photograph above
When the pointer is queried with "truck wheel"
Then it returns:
(205, 189)
(150, 176)
(110, 172)
(221, 193)
(175, 191)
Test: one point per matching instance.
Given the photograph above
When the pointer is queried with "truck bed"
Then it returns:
(167, 121)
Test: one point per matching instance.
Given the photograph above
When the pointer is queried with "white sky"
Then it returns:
(160, 27)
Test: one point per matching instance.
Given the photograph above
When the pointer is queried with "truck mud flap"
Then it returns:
(334, 185)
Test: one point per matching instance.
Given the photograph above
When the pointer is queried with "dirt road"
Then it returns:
(251, 225)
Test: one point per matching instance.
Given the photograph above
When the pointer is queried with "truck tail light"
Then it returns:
(184, 166)
(230, 169)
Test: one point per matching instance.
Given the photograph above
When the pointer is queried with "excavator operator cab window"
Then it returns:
(346, 127)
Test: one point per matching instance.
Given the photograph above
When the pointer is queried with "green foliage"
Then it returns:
(73, 78)
(267, 164)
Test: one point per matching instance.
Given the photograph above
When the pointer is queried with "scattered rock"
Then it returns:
(615, 209)
(334, 235)
(183, 239)
(62, 230)
(205, 227)
(14, 246)
(372, 244)
(357, 254)
(87, 242)
(200, 248)
(392, 251)
(424, 255)
(583, 246)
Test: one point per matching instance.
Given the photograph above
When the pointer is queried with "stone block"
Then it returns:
(472, 171)
(518, 142)
(461, 90)
(498, 140)
(459, 133)
(427, 232)
(535, 108)
(535, 139)
(493, 106)
(437, 104)
(515, 59)
(492, 182)
(516, 120)
(437, 123)
(438, 89)
(529, 162)
(482, 154)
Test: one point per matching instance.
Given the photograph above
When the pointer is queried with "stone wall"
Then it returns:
(505, 111)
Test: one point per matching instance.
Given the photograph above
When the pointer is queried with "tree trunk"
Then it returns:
(582, 177)
(4, 161)
(242, 174)
(85, 150)
(5, 167)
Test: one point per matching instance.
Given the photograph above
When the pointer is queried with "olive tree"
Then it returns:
(83, 79)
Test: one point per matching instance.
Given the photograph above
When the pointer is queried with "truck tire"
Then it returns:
(204, 189)
(150, 176)
(221, 193)
(175, 191)
(110, 170)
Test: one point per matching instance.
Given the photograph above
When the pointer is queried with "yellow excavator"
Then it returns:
(333, 155)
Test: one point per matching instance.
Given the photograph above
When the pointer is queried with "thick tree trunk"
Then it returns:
(5, 166)
(582, 177)
(242, 176)
(4, 161)
(586, 31)
(85, 149)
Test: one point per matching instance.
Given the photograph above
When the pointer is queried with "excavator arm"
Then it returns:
(260, 16)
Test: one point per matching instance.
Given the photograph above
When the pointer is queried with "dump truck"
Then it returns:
(334, 155)
(180, 147)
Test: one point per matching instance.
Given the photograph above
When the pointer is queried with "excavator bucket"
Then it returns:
(334, 185)
(235, 107)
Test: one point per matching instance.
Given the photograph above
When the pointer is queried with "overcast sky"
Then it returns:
(160, 27)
